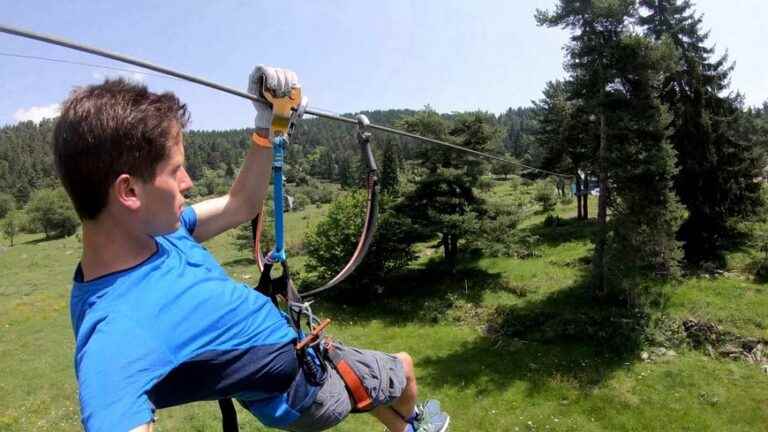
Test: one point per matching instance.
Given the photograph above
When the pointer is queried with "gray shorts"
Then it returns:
(382, 374)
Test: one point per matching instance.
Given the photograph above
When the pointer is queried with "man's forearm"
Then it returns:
(250, 187)
(245, 197)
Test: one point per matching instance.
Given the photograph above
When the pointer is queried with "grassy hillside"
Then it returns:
(534, 381)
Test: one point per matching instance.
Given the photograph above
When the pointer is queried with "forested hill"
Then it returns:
(320, 148)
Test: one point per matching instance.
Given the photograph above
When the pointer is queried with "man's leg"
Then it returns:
(394, 415)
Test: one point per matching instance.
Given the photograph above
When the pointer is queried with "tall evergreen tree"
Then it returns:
(443, 202)
(717, 162)
(390, 168)
(566, 137)
(614, 84)
(640, 165)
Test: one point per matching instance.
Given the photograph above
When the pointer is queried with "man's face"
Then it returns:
(162, 199)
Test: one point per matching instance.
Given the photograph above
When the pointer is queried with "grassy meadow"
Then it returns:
(529, 382)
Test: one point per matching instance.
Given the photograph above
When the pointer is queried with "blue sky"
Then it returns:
(349, 55)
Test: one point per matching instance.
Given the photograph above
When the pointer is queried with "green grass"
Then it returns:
(525, 385)
(738, 305)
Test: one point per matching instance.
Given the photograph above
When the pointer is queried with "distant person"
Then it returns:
(157, 320)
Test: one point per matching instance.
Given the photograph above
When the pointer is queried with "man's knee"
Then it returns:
(407, 362)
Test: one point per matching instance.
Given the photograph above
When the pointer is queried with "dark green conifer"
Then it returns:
(717, 162)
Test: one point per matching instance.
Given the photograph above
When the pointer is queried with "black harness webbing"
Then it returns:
(228, 416)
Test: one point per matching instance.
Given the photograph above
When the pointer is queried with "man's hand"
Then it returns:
(278, 81)
(245, 197)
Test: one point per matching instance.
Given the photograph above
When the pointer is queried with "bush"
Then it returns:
(50, 211)
(11, 226)
(544, 195)
(524, 245)
(485, 184)
(300, 201)
(319, 193)
(330, 245)
(499, 220)
(212, 183)
(552, 220)
(243, 240)
(498, 236)
(7, 204)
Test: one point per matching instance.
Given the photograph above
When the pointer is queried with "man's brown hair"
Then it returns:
(107, 130)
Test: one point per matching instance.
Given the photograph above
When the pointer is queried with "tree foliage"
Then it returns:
(614, 84)
(11, 226)
(544, 195)
(26, 161)
(713, 136)
(50, 211)
(390, 169)
(7, 204)
(443, 201)
(332, 242)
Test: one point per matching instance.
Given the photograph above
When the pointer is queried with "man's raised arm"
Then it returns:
(246, 196)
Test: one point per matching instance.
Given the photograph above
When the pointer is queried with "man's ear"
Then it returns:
(127, 191)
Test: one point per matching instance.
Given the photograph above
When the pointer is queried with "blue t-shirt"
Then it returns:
(175, 329)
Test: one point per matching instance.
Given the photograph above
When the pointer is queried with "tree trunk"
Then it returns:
(585, 200)
(600, 265)
(579, 213)
(450, 246)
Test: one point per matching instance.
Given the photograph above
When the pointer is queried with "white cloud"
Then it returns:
(36, 113)
(130, 76)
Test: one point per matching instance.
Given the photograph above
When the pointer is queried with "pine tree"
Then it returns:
(566, 141)
(11, 226)
(717, 162)
(614, 85)
(7, 204)
(390, 169)
(645, 212)
(443, 201)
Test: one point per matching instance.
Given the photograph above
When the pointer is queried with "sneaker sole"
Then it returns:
(445, 426)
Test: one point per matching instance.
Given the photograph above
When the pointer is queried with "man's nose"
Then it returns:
(185, 182)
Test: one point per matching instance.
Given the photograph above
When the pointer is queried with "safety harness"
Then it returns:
(313, 350)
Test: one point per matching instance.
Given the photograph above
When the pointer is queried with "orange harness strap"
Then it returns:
(362, 400)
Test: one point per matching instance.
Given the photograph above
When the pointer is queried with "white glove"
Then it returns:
(279, 81)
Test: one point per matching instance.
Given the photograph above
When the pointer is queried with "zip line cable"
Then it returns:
(92, 65)
(312, 111)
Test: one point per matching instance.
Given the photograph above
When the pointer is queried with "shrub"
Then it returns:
(300, 201)
(498, 236)
(243, 239)
(7, 204)
(330, 245)
(11, 226)
(50, 211)
(317, 193)
(544, 195)
(485, 184)
(552, 220)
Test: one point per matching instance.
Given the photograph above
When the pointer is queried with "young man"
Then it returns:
(157, 321)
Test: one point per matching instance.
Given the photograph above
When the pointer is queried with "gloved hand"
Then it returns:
(280, 81)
